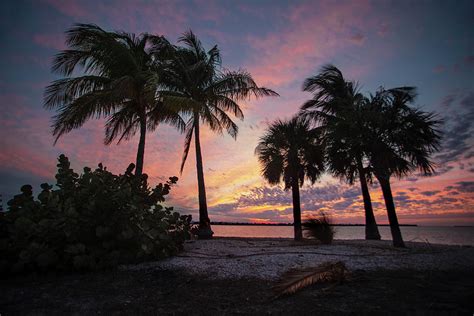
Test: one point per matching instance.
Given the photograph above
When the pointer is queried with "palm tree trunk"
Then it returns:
(204, 231)
(141, 147)
(296, 210)
(371, 229)
(392, 215)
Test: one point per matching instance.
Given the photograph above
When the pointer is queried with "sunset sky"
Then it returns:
(428, 44)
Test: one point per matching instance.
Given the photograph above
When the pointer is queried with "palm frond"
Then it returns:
(63, 91)
(238, 85)
(124, 123)
(187, 142)
(228, 105)
(192, 42)
(297, 279)
(226, 122)
(73, 115)
(163, 113)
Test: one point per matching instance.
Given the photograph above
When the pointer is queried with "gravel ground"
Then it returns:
(246, 258)
(235, 276)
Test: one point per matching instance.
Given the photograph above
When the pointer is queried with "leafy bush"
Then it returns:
(319, 228)
(92, 221)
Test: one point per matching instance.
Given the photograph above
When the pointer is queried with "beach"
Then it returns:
(235, 276)
(269, 258)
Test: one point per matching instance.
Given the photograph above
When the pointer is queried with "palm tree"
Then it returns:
(119, 83)
(401, 141)
(194, 82)
(339, 109)
(291, 151)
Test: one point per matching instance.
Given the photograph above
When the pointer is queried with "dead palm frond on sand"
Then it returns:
(297, 279)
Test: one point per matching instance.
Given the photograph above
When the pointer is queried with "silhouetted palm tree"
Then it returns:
(401, 141)
(195, 83)
(291, 151)
(338, 108)
(119, 83)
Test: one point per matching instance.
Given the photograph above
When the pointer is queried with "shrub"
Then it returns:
(91, 221)
(319, 228)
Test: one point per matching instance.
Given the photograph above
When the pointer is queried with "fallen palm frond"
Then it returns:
(319, 228)
(297, 279)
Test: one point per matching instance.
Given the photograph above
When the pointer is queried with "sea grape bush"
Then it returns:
(91, 221)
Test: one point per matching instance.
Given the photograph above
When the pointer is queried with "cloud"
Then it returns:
(72, 8)
(314, 32)
(469, 60)
(463, 64)
(54, 41)
(439, 69)
(465, 186)
(384, 29)
(458, 130)
(430, 193)
(358, 38)
(448, 100)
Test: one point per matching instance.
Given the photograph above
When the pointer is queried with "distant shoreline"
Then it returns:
(291, 224)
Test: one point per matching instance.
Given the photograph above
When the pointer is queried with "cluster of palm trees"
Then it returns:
(139, 82)
(352, 137)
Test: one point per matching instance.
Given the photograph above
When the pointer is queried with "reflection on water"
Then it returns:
(434, 235)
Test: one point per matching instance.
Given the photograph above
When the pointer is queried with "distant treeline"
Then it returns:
(290, 224)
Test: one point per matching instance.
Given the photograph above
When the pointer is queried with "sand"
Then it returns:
(268, 259)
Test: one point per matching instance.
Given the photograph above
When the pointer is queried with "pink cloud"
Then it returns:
(439, 69)
(20, 122)
(358, 38)
(55, 41)
(133, 16)
(314, 35)
(72, 8)
(211, 10)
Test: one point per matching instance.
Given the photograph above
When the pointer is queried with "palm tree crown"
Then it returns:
(195, 84)
(119, 83)
(338, 107)
(290, 152)
(402, 137)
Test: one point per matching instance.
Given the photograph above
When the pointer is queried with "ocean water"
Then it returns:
(431, 234)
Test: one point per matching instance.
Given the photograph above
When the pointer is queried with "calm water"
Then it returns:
(434, 235)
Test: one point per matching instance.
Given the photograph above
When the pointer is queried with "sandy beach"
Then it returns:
(235, 276)
(269, 258)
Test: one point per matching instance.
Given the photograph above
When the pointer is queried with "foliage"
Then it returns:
(112, 75)
(195, 83)
(294, 280)
(291, 151)
(402, 138)
(92, 221)
(339, 109)
(320, 228)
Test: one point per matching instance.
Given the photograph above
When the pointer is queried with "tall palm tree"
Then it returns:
(402, 138)
(338, 108)
(118, 82)
(194, 83)
(291, 151)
